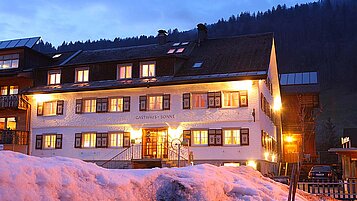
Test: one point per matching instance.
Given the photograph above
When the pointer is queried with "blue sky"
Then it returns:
(72, 20)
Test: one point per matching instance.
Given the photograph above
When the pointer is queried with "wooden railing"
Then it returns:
(13, 102)
(14, 137)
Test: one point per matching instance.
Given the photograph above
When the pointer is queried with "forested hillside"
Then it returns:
(319, 36)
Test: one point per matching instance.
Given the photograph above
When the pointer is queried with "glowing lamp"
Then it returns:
(289, 138)
(40, 98)
(266, 155)
(252, 164)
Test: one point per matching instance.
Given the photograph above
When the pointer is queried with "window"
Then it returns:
(214, 99)
(232, 137)
(49, 108)
(8, 123)
(9, 90)
(199, 100)
(49, 141)
(215, 137)
(124, 71)
(14, 90)
(243, 98)
(102, 105)
(89, 105)
(197, 65)
(89, 139)
(116, 139)
(200, 137)
(171, 51)
(176, 44)
(231, 99)
(56, 56)
(4, 90)
(82, 75)
(155, 102)
(180, 50)
(54, 77)
(116, 104)
(147, 69)
(9, 61)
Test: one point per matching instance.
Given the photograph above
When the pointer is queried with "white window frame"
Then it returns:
(117, 105)
(229, 131)
(128, 68)
(92, 105)
(155, 98)
(52, 141)
(53, 108)
(203, 137)
(83, 77)
(89, 139)
(116, 139)
(203, 95)
(224, 99)
(148, 66)
(57, 77)
(11, 59)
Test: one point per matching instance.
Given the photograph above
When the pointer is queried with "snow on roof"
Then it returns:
(25, 177)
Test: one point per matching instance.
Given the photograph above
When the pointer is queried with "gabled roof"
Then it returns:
(228, 55)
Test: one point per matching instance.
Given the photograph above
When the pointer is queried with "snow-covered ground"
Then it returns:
(30, 178)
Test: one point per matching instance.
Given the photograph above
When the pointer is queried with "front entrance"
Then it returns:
(155, 143)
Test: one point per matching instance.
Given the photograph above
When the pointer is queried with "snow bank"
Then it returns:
(25, 177)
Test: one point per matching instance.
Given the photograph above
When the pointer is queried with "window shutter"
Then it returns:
(39, 109)
(244, 136)
(261, 102)
(211, 137)
(217, 99)
(219, 141)
(166, 102)
(186, 101)
(98, 143)
(243, 99)
(102, 105)
(126, 104)
(60, 105)
(99, 105)
(211, 99)
(104, 140)
(78, 140)
(187, 137)
(142, 102)
(126, 139)
(79, 106)
(58, 141)
(38, 142)
(263, 138)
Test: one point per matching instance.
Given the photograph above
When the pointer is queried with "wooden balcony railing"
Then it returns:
(14, 102)
(16, 137)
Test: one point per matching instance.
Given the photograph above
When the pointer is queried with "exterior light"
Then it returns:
(40, 98)
(289, 138)
(266, 155)
(273, 157)
(252, 163)
(243, 85)
(277, 103)
(174, 133)
(231, 164)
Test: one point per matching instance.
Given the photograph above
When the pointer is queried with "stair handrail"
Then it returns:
(116, 155)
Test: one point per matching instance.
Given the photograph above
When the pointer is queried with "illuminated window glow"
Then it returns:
(89, 139)
(54, 77)
(116, 104)
(49, 108)
(232, 137)
(148, 69)
(231, 99)
(180, 50)
(89, 105)
(49, 141)
(155, 102)
(82, 75)
(116, 139)
(200, 137)
(125, 71)
(9, 61)
(199, 100)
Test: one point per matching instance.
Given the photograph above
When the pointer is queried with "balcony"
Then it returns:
(15, 137)
(14, 102)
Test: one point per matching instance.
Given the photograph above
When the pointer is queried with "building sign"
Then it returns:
(156, 116)
(346, 143)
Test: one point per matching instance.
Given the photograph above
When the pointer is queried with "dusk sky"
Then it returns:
(68, 20)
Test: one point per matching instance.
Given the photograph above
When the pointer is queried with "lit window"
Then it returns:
(199, 100)
(89, 139)
(230, 99)
(200, 137)
(54, 77)
(171, 51)
(8, 123)
(180, 50)
(155, 102)
(116, 139)
(14, 90)
(184, 43)
(82, 75)
(116, 104)
(124, 71)
(49, 108)
(89, 105)
(50, 141)
(148, 69)
(176, 44)
(4, 90)
(9, 61)
(232, 137)
(197, 65)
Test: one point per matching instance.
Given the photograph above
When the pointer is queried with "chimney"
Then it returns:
(162, 37)
(202, 33)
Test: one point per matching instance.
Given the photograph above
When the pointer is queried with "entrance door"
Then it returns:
(155, 143)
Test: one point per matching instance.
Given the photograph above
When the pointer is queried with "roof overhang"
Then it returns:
(352, 152)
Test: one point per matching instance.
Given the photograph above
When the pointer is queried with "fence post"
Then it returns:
(179, 155)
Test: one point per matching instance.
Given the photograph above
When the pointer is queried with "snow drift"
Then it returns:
(25, 177)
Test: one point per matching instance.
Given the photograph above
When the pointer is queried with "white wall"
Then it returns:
(177, 119)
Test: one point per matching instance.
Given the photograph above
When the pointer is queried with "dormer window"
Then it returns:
(124, 71)
(82, 75)
(147, 69)
(54, 77)
(9, 61)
